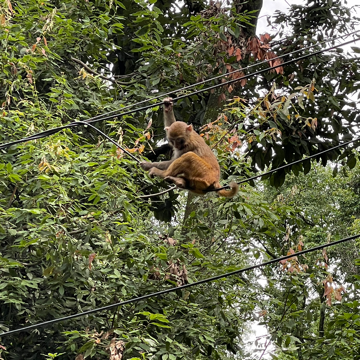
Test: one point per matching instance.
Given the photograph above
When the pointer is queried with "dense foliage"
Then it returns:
(74, 233)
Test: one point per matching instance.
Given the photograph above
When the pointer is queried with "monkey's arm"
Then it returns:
(169, 116)
(162, 165)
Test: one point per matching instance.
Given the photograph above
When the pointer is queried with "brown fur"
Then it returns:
(194, 166)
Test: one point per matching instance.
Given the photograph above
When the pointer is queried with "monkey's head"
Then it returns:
(179, 134)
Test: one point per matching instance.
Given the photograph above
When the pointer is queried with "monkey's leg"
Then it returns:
(178, 181)
(189, 170)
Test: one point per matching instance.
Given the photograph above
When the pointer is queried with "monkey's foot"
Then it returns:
(179, 182)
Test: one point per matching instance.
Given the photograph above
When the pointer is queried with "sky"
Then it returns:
(270, 6)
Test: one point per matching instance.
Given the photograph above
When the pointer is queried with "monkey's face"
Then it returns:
(177, 142)
(178, 134)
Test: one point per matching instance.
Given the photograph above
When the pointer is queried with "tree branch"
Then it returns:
(91, 71)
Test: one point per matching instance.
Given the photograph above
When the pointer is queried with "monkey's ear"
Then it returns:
(166, 128)
(189, 128)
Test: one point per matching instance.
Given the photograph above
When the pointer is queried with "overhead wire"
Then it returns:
(288, 165)
(266, 173)
(110, 139)
(231, 81)
(98, 117)
(175, 289)
(77, 123)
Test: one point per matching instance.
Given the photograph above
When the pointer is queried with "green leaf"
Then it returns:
(222, 36)
(160, 325)
(162, 256)
(14, 178)
(9, 168)
(196, 252)
(351, 162)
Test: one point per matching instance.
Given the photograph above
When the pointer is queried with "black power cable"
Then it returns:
(73, 124)
(110, 139)
(288, 165)
(163, 292)
(220, 76)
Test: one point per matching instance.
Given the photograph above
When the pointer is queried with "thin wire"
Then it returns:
(159, 193)
(231, 81)
(55, 130)
(288, 165)
(220, 76)
(174, 289)
(109, 138)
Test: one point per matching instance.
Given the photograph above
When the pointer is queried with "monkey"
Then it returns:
(194, 166)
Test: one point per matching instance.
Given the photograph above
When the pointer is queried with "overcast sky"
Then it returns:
(270, 6)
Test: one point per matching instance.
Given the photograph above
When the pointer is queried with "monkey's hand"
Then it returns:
(168, 104)
(146, 165)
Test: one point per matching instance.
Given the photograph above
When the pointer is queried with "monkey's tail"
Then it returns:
(234, 188)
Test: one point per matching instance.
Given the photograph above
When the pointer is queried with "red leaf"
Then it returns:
(265, 38)
(291, 251)
(325, 255)
(231, 50)
(243, 81)
(338, 295)
(328, 290)
(91, 259)
(233, 138)
(238, 54)
(149, 124)
(10, 6)
(280, 69)
(222, 97)
(141, 148)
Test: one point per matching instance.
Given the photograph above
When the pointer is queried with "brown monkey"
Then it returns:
(193, 167)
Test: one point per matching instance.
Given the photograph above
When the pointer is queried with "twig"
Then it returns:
(267, 343)
(76, 231)
(222, 138)
(159, 193)
(101, 76)
(12, 197)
